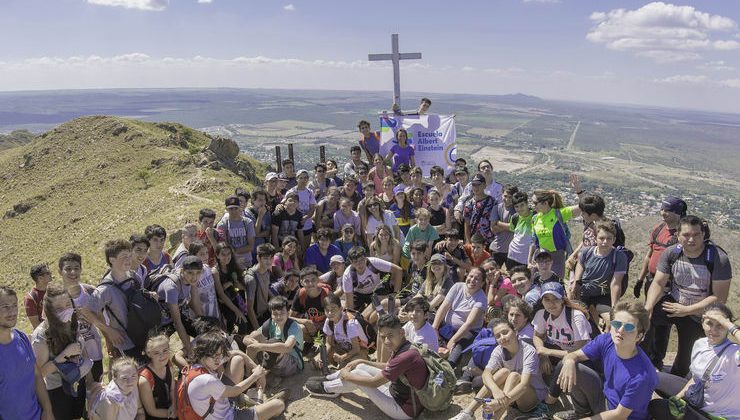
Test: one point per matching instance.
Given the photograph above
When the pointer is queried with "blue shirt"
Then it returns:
(18, 380)
(313, 257)
(627, 382)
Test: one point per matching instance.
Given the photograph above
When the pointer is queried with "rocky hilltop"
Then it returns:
(97, 178)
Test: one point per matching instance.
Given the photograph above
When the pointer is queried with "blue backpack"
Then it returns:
(482, 347)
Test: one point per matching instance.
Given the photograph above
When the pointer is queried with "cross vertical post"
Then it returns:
(395, 57)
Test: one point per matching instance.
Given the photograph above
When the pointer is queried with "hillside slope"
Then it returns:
(99, 178)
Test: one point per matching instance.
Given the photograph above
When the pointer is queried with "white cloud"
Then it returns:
(733, 83)
(684, 79)
(718, 65)
(542, 1)
(289, 7)
(663, 32)
(150, 5)
(205, 1)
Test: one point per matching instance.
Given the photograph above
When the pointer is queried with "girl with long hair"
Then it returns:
(288, 258)
(385, 246)
(550, 229)
(378, 173)
(386, 192)
(402, 152)
(232, 290)
(376, 215)
(325, 209)
(119, 400)
(156, 382)
(403, 210)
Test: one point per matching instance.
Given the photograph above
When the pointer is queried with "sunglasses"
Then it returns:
(628, 327)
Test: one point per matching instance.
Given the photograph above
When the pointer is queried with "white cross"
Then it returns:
(395, 57)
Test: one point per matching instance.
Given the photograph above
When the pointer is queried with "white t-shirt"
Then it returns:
(207, 293)
(525, 360)
(461, 305)
(202, 389)
(724, 380)
(342, 338)
(368, 280)
(558, 332)
(426, 335)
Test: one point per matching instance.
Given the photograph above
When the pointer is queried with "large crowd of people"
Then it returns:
(380, 280)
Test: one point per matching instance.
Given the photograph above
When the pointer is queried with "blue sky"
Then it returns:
(668, 54)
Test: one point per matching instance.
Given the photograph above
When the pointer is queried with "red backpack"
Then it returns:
(185, 410)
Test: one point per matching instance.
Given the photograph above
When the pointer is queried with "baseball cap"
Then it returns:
(232, 201)
(542, 253)
(478, 179)
(438, 258)
(404, 167)
(270, 176)
(554, 288)
(398, 189)
(462, 170)
(674, 205)
(336, 259)
(301, 172)
(282, 176)
(348, 226)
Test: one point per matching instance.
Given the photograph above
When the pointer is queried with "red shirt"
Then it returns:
(407, 362)
(476, 262)
(201, 234)
(33, 302)
(664, 238)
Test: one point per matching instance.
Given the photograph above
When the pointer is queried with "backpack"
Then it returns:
(185, 410)
(155, 278)
(303, 294)
(710, 248)
(265, 330)
(367, 328)
(566, 229)
(482, 347)
(436, 395)
(656, 233)
(626, 278)
(353, 273)
(569, 319)
(144, 311)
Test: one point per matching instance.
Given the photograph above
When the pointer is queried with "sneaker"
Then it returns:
(463, 415)
(463, 387)
(566, 415)
(316, 389)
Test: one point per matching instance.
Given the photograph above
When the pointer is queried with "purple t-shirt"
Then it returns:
(401, 155)
(17, 379)
(627, 382)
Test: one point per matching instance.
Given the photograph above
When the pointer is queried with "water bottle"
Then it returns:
(487, 416)
(324, 358)
(378, 306)
(439, 379)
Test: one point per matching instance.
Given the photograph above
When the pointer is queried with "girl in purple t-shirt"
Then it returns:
(401, 152)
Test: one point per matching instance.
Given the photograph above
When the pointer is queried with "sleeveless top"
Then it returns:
(160, 389)
(438, 216)
(378, 181)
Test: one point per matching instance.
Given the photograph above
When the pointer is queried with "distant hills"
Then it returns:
(99, 178)
(15, 138)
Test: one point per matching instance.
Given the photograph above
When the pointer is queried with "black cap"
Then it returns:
(478, 178)
(232, 201)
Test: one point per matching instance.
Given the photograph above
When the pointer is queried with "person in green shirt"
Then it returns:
(550, 229)
(421, 231)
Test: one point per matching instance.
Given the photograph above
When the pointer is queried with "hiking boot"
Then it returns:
(316, 389)
(463, 387)
(280, 395)
(463, 415)
(566, 415)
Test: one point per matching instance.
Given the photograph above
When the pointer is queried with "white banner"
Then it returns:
(432, 137)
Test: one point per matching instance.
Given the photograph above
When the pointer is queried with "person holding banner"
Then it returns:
(370, 140)
(401, 152)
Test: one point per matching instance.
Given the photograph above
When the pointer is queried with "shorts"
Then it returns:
(286, 366)
(602, 303)
(244, 413)
(361, 300)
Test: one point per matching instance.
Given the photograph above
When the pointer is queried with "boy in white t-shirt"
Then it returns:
(418, 329)
(345, 339)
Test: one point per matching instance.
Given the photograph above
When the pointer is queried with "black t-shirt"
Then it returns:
(313, 308)
(438, 216)
(288, 224)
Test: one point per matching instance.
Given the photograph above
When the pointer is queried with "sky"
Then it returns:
(680, 55)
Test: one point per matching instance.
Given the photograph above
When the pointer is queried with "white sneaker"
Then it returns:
(463, 415)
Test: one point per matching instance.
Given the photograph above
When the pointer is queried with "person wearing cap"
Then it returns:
(274, 196)
(401, 151)
(700, 274)
(369, 140)
(306, 205)
(404, 175)
(319, 253)
(520, 225)
(461, 178)
(662, 236)
(479, 211)
(454, 251)
(282, 183)
(490, 186)
(402, 209)
(348, 239)
(560, 327)
(332, 278)
(238, 231)
(289, 172)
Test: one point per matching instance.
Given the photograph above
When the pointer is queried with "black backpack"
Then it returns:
(619, 243)
(156, 277)
(144, 311)
(353, 273)
(265, 330)
(370, 332)
(710, 249)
